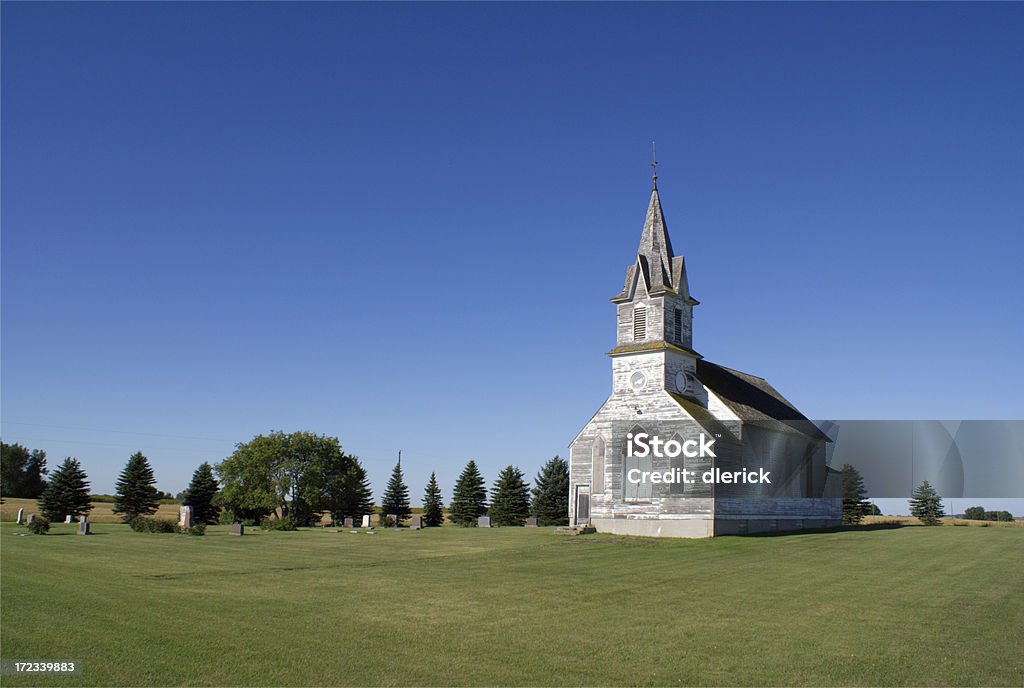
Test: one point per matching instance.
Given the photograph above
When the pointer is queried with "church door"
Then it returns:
(583, 505)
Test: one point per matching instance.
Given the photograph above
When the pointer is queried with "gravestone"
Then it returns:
(394, 519)
(83, 525)
(417, 522)
(185, 520)
(366, 520)
(237, 529)
(531, 522)
(349, 523)
(21, 517)
(68, 519)
(31, 518)
(483, 522)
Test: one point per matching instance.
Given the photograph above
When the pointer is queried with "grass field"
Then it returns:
(452, 606)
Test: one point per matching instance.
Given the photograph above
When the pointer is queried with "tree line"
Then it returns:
(294, 478)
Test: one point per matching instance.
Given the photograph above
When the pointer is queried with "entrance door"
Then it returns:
(583, 505)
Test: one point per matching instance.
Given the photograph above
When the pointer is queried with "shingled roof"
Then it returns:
(753, 399)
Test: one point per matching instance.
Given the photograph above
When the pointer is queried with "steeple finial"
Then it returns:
(654, 164)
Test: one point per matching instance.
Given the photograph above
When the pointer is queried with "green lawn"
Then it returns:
(905, 606)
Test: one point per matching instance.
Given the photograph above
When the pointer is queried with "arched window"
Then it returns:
(640, 322)
(597, 458)
(678, 489)
(638, 489)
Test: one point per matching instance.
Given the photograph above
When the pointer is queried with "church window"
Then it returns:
(679, 325)
(638, 489)
(640, 322)
(597, 455)
(677, 489)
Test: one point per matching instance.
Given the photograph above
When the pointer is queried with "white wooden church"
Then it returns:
(662, 388)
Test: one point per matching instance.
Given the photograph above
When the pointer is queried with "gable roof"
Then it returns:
(753, 399)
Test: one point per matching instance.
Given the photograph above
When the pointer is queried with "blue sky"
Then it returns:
(401, 224)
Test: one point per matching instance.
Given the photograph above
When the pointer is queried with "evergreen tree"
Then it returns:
(350, 494)
(855, 506)
(396, 496)
(200, 496)
(510, 499)
(551, 495)
(469, 500)
(433, 507)
(136, 489)
(67, 492)
(926, 504)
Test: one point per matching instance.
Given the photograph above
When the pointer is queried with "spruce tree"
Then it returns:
(469, 500)
(433, 507)
(67, 492)
(358, 499)
(551, 495)
(396, 497)
(510, 499)
(926, 504)
(136, 489)
(200, 493)
(855, 506)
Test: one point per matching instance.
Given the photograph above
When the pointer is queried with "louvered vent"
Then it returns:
(640, 323)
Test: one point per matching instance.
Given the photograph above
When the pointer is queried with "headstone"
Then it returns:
(531, 522)
(83, 525)
(366, 520)
(349, 523)
(21, 517)
(417, 522)
(185, 520)
(30, 519)
(237, 529)
(483, 522)
(68, 519)
(394, 519)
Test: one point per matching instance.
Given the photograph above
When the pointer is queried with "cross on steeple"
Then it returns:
(654, 164)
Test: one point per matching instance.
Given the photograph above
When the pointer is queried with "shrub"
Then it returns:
(197, 529)
(278, 524)
(145, 524)
(39, 526)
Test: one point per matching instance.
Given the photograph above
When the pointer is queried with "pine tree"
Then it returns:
(358, 493)
(551, 495)
(926, 504)
(855, 506)
(136, 489)
(469, 500)
(433, 507)
(67, 492)
(199, 495)
(510, 499)
(396, 497)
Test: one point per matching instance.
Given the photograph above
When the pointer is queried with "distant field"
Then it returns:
(514, 606)
(102, 512)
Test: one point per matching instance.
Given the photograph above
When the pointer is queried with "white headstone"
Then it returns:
(483, 522)
(21, 517)
(366, 520)
(67, 519)
(185, 520)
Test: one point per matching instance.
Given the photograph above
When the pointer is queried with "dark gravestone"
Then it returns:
(531, 522)
(349, 523)
(483, 522)
(417, 522)
(83, 526)
(30, 519)
(237, 529)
